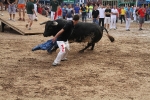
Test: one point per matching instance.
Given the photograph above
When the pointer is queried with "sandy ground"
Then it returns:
(113, 71)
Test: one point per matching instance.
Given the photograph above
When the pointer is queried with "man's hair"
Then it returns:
(76, 17)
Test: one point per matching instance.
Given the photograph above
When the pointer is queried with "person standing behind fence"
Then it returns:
(21, 6)
(95, 15)
(35, 8)
(53, 5)
(107, 17)
(77, 10)
(58, 14)
(83, 9)
(64, 12)
(128, 15)
(1, 4)
(12, 9)
(31, 12)
(69, 15)
(114, 13)
(90, 10)
(141, 13)
(101, 15)
(122, 14)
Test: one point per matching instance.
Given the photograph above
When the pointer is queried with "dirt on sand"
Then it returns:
(113, 71)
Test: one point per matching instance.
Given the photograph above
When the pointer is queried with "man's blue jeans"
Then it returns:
(95, 20)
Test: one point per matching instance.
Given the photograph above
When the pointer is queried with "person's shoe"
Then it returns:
(19, 19)
(23, 19)
(65, 59)
(2, 14)
(54, 64)
(26, 25)
(127, 30)
(29, 28)
(9, 19)
(140, 29)
(13, 20)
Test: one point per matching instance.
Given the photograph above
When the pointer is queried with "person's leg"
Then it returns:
(127, 24)
(115, 22)
(19, 13)
(124, 18)
(111, 23)
(1, 4)
(121, 18)
(61, 53)
(52, 15)
(103, 22)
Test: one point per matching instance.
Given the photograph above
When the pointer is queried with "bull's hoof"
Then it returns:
(81, 51)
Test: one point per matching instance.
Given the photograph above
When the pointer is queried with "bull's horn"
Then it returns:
(55, 23)
(43, 23)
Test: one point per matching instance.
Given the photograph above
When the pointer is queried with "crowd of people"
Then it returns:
(106, 16)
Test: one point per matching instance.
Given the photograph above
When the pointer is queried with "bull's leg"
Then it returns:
(92, 46)
(88, 45)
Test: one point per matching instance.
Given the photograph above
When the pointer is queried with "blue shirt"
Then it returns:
(128, 14)
(77, 9)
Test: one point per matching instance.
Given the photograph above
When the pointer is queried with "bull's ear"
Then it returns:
(55, 23)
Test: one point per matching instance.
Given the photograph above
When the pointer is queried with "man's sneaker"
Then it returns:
(54, 64)
(23, 19)
(128, 30)
(29, 28)
(26, 25)
(2, 14)
(140, 29)
(65, 59)
(13, 20)
(9, 19)
(19, 19)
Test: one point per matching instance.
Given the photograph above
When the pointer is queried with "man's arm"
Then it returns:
(57, 35)
(37, 1)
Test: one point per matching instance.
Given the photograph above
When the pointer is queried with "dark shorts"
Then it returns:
(141, 20)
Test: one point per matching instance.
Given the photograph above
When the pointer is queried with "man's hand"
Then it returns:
(54, 39)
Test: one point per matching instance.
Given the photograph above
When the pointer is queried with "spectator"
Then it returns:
(83, 9)
(64, 11)
(90, 10)
(1, 4)
(122, 14)
(114, 13)
(128, 15)
(77, 10)
(95, 15)
(101, 15)
(6, 4)
(58, 13)
(134, 13)
(35, 9)
(69, 13)
(44, 11)
(87, 11)
(53, 6)
(107, 17)
(31, 12)
(141, 13)
(21, 7)
(12, 9)
(40, 9)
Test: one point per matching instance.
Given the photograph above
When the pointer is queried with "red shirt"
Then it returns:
(59, 12)
(40, 10)
(142, 12)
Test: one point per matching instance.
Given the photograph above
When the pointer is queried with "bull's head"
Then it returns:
(50, 28)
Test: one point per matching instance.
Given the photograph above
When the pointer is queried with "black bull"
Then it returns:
(82, 32)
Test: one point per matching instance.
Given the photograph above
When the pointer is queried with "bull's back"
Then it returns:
(86, 29)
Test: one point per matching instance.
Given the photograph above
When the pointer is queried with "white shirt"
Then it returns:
(114, 11)
(101, 13)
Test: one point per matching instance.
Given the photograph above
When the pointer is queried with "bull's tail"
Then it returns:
(110, 37)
